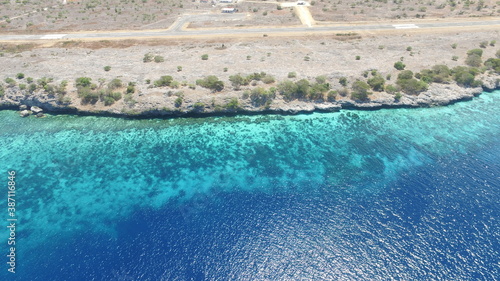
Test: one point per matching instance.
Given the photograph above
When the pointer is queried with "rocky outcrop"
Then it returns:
(149, 106)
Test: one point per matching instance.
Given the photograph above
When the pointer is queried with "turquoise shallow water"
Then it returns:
(89, 175)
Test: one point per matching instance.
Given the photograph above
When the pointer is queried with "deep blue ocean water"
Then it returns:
(400, 194)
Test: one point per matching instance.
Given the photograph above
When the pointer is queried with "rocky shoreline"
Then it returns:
(39, 103)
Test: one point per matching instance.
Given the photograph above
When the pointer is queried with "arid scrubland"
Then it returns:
(29, 16)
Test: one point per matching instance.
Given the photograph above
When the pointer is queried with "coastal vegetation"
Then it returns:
(261, 90)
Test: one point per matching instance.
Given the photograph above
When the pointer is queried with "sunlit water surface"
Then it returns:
(402, 194)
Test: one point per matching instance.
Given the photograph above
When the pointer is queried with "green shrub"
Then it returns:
(343, 81)
(159, 59)
(473, 60)
(164, 81)
(483, 44)
(358, 57)
(44, 81)
(409, 48)
(178, 101)
(148, 57)
(493, 64)
(331, 96)
(114, 84)
(321, 79)
(397, 96)
(497, 54)
(302, 88)
(179, 68)
(109, 97)
(478, 52)
(211, 82)
(412, 86)
(32, 88)
(260, 96)
(87, 95)
(107, 68)
(360, 90)
(2, 91)
(287, 89)
(22, 86)
(454, 45)
(454, 58)
(232, 105)
(29, 80)
(343, 92)
(175, 84)
(292, 74)
(83, 82)
(236, 81)
(268, 79)
(204, 57)
(130, 89)
(377, 83)
(391, 89)
(255, 76)
(317, 91)
(407, 74)
(199, 106)
(399, 65)
(10, 82)
(465, 76)
(492, 43)
(20, 76)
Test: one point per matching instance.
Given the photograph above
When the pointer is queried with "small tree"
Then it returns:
(478, 52)
(83, 82)
(233, 104)
(236, 81)
(360, 90)
(399, 65)
(178, 101)
(211, 82)
(343, 81)
(473, 60)
(115, 84)
(377, 83)
(164, 81)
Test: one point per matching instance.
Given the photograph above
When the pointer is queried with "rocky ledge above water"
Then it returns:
(154, 103)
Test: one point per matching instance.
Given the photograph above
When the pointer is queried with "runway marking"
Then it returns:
(53, 36)
(404, 26)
